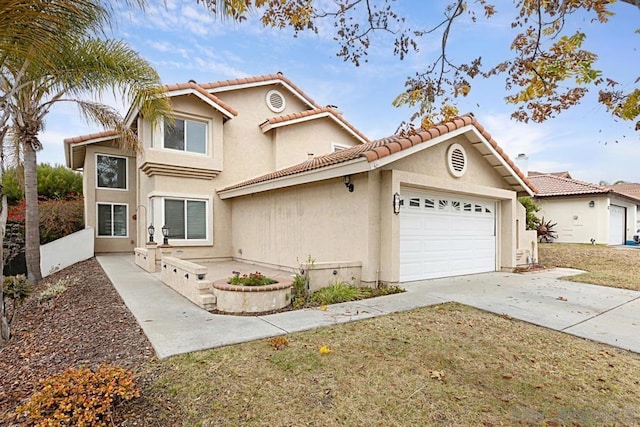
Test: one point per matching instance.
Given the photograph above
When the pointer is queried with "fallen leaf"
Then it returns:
(507, 376)
(325, 350)
(561, 299)
(437, 375)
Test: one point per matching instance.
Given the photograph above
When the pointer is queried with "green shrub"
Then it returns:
(300, 294)
(531, 207)
(336, 293)
(252, 279)
(80, 397)
(54, 183)
(16, 288)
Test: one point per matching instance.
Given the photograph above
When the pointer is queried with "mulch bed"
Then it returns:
(85, 326)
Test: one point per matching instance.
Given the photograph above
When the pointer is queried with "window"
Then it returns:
(186, 135)
(414, 202)
(429, 203)
(338, 147)
(111, 172)
(186, 219)
(112, 220)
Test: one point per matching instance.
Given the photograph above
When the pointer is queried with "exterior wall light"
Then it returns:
(165, 235)
(396, 203)
(348, 183)
(592, 204)
(151, 229)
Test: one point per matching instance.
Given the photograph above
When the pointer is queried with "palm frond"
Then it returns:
(109, 118)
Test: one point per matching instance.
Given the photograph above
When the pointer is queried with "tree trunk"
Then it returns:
(32, 216)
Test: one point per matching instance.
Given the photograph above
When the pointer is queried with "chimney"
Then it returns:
(522, 162)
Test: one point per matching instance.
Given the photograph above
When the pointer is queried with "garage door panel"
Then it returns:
(444, 236)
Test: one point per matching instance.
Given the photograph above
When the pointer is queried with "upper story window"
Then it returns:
(186, 135)
(111, 172)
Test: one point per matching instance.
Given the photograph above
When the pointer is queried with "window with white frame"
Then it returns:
(111, 172)
(339, 147)
(186, 135)
(112, 220)
(186, 218)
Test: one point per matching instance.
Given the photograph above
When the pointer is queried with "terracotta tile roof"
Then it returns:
(315, 111)
(627, 188)
(259, 79)
(198, 88)
(84, 138)
(380, 148)
(552, 185)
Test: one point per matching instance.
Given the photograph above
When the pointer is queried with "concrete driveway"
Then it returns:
(174, 325)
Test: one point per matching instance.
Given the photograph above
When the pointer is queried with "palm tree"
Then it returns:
(83, 66)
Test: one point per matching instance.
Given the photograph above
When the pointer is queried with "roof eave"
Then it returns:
(351, 167)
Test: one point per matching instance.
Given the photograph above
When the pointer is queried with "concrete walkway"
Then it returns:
(174, 325)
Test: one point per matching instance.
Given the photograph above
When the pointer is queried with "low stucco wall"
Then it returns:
(189, 280)
(145, 258)
(324, 274)
(66, 251)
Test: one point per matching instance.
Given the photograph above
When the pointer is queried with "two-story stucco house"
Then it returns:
(255, 170)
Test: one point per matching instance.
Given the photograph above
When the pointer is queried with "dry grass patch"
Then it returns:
(443, 365)
(618, 268)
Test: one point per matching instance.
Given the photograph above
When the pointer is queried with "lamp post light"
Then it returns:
(151, 229)
(165, 235)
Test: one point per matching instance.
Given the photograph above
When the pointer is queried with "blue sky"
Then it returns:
(184, 42)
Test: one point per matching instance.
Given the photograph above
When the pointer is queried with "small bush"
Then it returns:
(51, 292)
(338, 292)
(300, 294)
(16, 288)
(80, 397)
(253, 279)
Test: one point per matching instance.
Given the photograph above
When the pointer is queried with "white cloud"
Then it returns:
(515, 137)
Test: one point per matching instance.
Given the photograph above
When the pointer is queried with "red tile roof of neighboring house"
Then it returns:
(259, 79)
(626, 188)
(380, 148)
(552, 185)
(198, 88)
(315, 111)
(89, 137)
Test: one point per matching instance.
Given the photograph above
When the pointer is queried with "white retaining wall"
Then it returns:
(66, 251)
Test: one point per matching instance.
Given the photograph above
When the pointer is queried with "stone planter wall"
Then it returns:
(251, 299)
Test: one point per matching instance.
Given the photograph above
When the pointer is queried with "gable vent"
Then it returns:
(457, 160)
(275, 101)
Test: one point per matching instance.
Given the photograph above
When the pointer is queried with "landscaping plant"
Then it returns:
(80, 397)
(546, 231)
(252, 279)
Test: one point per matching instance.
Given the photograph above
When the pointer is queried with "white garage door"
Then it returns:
(443, 236)
(617, 228)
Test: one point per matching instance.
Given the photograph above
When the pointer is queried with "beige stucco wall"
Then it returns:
(322, 220)
(292, 144)
(93, 195)
(579, 223)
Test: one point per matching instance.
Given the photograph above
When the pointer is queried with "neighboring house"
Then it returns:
(629, 189)
(255, 170)
(585, 211)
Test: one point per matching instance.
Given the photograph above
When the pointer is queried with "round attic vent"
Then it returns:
(275, 101)
(457, 160)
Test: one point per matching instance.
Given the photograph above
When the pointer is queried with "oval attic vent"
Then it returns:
(457, 160)
(275, 101)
